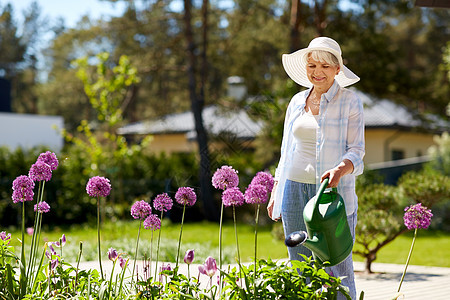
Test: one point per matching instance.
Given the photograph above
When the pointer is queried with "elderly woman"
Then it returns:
(323, 137)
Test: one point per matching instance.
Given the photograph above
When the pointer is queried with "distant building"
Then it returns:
(396, 141)
(393, 133)
(176, 132)
(27, 131)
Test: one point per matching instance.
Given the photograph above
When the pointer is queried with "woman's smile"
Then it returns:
(321, 74)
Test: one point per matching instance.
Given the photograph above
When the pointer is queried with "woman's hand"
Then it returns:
(335, 174)
(272, 201)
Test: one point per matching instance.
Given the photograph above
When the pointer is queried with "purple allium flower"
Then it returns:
(256, 194)
(42, 207)
(112, 254)
(225, 177)
(141, 210)
(152, 222)
(54, 263)
(163, 202)
(30, 230)
(122, 262)
(209, 268)
(98, 186)
(232, 196)
(5, 237)
(189, 256)
(22, 189)
(186, 196)
(40, 171)
(417, 216)
(166, 267)
(62, 243)
(265, 179)
(50, 159)
(52, 250)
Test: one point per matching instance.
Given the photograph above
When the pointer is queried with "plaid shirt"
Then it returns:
(340, 136)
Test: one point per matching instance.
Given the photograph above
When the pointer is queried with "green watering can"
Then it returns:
(328, 235)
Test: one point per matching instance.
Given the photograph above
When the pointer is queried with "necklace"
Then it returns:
(312, 102)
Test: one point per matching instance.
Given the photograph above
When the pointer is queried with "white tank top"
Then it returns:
(303, 167)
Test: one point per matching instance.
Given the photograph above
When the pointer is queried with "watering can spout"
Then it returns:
(316, 244)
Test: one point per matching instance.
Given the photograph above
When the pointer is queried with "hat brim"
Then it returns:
(295, 66)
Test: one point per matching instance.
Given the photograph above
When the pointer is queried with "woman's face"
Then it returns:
(321, 74)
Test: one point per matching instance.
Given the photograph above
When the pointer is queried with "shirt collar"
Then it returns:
(329, 95)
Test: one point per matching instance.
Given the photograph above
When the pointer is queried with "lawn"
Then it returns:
(204, 238)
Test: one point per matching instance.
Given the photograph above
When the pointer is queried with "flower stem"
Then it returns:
(220, 243)
(78, 264)
(33, 238)
(179, 239)
(122, 276)
(157, 250)
(23, 277)
(220, 236)
(111, 279)
(256, 247)
(37, 230)
(151, 254)
(407, 260)
(136, 251)
(236, 236)
(98, 238)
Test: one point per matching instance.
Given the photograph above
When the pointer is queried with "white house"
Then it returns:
(27, 131)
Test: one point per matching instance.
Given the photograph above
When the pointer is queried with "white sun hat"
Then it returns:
(295, 63)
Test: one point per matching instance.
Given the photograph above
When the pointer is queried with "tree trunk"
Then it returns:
(295, 25)
(368, 263)
(320, 16)
(197, 103)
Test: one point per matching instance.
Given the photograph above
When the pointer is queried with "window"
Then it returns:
(397, 154)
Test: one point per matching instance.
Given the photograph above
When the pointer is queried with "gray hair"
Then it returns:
(323, 56)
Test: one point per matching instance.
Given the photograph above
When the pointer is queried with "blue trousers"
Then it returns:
(296, 195)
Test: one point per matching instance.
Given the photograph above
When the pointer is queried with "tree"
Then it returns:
(381, 208)
(11, 48)
(197, 97)
(396, 49)
(18, 62)
(107, 90)
(379, 220)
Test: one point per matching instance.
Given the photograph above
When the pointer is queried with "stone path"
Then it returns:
(420, 282)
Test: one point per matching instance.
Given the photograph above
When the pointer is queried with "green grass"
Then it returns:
(431, 248)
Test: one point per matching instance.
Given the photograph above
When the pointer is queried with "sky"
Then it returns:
(73, 10)
(70, 10)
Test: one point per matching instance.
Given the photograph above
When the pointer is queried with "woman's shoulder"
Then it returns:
(299, 98)
(347, 94)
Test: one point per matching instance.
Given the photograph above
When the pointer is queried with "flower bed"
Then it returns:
(42, 272)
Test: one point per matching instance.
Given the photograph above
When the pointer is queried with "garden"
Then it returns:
(43, 273)
(40, 269)
(144, 204)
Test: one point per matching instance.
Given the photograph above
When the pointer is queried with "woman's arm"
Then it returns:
(335, 174)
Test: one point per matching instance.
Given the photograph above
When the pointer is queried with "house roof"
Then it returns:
(216, 121)
(378, 113)
(383, 113)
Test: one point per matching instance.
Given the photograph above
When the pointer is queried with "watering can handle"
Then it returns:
(322, 188)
